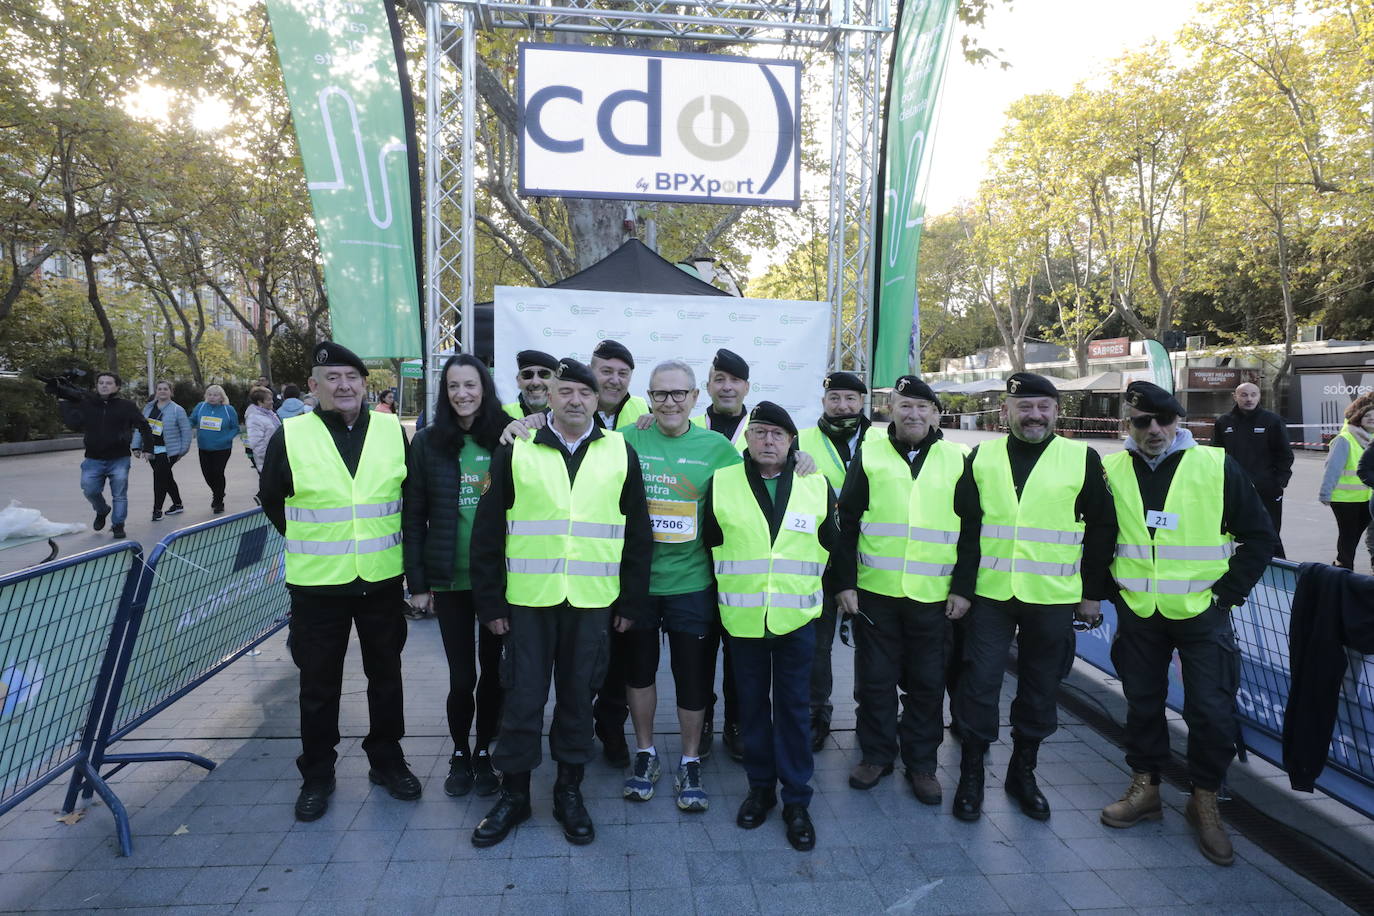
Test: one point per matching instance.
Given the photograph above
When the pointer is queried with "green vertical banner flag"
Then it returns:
(344, 69)
(1160, 365)
(919, 51)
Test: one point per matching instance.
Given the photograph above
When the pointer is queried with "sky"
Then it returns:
(1051, 45)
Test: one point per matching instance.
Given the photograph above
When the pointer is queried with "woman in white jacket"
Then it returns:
(262, 422)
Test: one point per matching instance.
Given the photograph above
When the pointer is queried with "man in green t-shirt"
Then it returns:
(677, 459)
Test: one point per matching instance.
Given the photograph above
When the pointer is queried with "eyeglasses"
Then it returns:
(1143, 421)
(528, 374)
(677, 394)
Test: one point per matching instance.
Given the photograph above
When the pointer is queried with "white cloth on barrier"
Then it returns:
(785, 342)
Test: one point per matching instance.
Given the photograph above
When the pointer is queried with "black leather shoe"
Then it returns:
(708, 739)
(460, 776)
(313, 801)
(616, 750)
(99, 523)
(820, 730)
(968, 796)
(511, 808)
(485, 781)
(569, 810)
(801, 833)
(753, 811)
(396, 777)
(1021, 784)
(733, 741)
(117, 531)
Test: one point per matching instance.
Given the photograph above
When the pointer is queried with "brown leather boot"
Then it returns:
(1140, 803)
(1202, 813)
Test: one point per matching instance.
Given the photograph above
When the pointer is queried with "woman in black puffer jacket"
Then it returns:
(446, 475)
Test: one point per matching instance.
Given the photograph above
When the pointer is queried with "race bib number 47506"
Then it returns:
(673, 521)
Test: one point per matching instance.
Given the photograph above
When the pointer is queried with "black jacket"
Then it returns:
(1333, 609)
(854, 501)
(1242, 515)
(488, 553)
(108, 423)
(429, 514)
(1094, 507)
(1259, 443)
(276, 483)
(1365, 469)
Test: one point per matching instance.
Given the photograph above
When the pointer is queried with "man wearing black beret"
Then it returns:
(534, 370)
(613, 367)
(727, 386)
(832, 442)
(342, 573)
(1194, 539)
(561, 550)
(1037, 532)
(893, 564)
(769, 530)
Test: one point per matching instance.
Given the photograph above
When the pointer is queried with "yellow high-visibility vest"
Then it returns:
(909, 533)
(1349, 488)
(1031, 548)
(1172, 572)
(564, 539)
(341, 526)
(737, 440)
(818, 445)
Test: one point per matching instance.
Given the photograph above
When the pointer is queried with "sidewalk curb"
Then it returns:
(38, 446)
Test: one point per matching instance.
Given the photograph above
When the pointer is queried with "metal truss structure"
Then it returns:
(852, 31)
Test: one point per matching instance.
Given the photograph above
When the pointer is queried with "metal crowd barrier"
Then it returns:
(150, 634)
(1261, 629)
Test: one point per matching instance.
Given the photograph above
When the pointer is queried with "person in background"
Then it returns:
(291, 403)
(534, 369)
(1341, 487)
(263, 383)
(262, 422)
(310, 402)
(448, 471)
(613, 367)
(833, 442)
(215, 425)
(1258, 440)
(108, 423)
(1365, 471)
(386, 402)
(727, 386)
(171, 439)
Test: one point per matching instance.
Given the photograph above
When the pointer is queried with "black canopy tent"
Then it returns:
(631, 268)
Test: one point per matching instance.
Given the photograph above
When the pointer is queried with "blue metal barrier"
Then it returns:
(60, 627)
(1261, 628)
(208, 594)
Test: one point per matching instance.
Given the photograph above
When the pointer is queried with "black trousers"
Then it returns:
(565, 646)
(774, 674)
(320, 625)
(610, 711)
(822, 677)
(164, 484)
(1351, 521)
(1273, 503)
(1141, 652)
(1045, 648)
(212, 465)
(903, 652)
(468, 645)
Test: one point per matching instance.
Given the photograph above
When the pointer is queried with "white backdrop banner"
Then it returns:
(785, 342)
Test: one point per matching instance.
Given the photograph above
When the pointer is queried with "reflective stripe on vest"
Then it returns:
(1349, 488)
(818, 445)
(1173, 571)
(767, 586)
(342, 527)
(564, 540)
(1031, 548)
(909, 532)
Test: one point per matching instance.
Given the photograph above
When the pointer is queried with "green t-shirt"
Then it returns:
(676, 473)
(474, 463)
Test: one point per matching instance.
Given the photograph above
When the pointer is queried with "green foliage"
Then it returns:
(26, 411)
(291, 358)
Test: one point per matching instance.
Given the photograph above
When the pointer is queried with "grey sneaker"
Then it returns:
(687, 786)
(640, 784)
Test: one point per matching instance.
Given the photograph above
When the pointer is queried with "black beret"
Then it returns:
(1150, 398)
(772, 414)
(614, 349)
(328, 353)
(570, 370)
(535, 358)
(909, 386)
(1030, 385)
(844, 381)
(731, 362)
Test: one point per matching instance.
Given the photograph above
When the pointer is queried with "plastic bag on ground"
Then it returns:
(18, 522)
